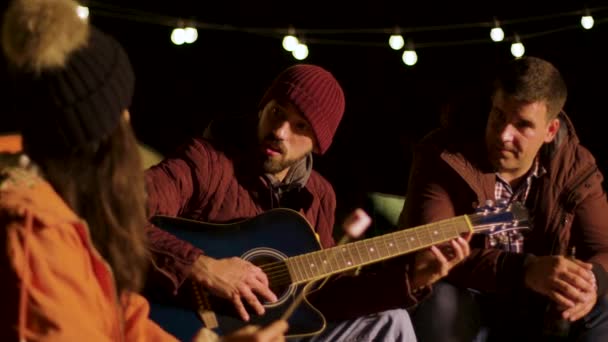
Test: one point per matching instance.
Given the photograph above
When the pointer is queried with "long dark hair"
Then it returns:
(104, 185)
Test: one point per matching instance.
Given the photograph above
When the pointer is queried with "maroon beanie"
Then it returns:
(316, 94)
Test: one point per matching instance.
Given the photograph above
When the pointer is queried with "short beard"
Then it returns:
(275, 166)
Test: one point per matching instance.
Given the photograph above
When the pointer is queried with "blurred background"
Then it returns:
(389, 105)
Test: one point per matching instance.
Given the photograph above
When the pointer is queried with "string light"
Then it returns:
(587, 20)
(409, 57)
(178, 36)
(190, 35)
(300, 52)
(496, 33)
(517, 48)
(291, 42)
(395, 41)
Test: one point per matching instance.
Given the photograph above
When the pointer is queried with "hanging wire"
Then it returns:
(120, 12)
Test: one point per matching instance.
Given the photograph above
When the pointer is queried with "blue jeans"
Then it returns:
(453, 314)
(391, 325)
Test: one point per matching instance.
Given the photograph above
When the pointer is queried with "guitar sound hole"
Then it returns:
(278, 276)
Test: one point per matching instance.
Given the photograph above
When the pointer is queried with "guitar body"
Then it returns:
(267, 238)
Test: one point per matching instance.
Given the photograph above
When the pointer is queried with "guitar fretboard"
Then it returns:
(310, 266)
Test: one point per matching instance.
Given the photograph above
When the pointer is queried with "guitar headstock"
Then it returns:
(494, 218)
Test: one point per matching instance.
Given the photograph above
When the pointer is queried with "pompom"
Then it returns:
(41, 34)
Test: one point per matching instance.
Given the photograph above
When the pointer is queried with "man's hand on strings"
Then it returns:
(434, 263)
(234, 279)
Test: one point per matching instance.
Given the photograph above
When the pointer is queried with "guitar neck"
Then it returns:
(323, 263)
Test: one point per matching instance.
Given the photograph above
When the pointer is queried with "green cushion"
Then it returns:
(384, 209)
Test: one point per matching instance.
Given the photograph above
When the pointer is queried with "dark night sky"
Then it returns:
(389, 106)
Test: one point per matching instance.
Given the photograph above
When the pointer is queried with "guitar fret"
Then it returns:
(437, 234)
(425, 233)
(401, 239)
(448, 229)
(313, 265)
(352, 260)
(303, 268)
(369, 251)
(333, 259)
(321, 266)
(327, 261)
(343, 260)
(382, 252)
(454, 227)
(309, 265)
(389, 245)
(426, 237)
(398, 241)
(358, 258)
(378, 250)
(294, 266)
(414, 239)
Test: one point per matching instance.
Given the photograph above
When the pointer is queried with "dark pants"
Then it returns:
(454, 314)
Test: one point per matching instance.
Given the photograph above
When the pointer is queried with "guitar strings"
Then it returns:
(278, 272)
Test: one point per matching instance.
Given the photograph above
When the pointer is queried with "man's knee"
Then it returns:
(396, 315)
(391, 325)
(446, 299)
(449, 314)
(396, 325)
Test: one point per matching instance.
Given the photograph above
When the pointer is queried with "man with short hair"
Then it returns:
(528, 152)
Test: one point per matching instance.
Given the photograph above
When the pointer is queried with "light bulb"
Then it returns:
(290, 42)
(409, 57)
(190, 35)
(587, 22)
(300, 52)
(497, 34)
(396, 41)
(517, 49)
(178, 36)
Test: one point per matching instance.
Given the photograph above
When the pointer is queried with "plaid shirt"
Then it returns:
(513, 241)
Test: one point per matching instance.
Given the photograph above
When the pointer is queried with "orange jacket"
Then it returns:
(13, 143)
(10, 142)
(55, 285)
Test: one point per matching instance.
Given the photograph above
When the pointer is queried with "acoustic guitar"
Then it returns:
(284, 245)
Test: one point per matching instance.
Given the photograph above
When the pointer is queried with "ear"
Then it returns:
(552, 130)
